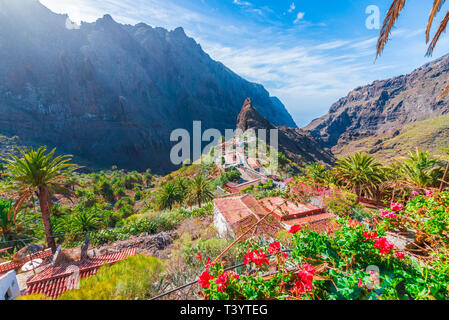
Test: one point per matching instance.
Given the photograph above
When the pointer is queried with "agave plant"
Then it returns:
(39, 174)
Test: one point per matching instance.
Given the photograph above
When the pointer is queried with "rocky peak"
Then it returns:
(250, 118)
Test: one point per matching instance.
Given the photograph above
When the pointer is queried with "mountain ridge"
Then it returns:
(112, 93)
(384, 107)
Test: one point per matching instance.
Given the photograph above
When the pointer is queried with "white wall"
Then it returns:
(223, 228)
(9, 286)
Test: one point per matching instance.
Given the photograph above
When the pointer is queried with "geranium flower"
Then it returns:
(294, 229)
(397, 207)
(400, 255)
(383, 245)
(258, 257)
(429, 193)
(234, 274)
(369, 235)
(222, 282)
(204, 280)
(199, 256)
(274, 248)
(360, 284)
(415, 193)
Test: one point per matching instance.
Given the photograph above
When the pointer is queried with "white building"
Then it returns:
(9, 287)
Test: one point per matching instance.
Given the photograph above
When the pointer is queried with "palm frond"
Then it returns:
(438, 34)
(437, 4)
(389, 21)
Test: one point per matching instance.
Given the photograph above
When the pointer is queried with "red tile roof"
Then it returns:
(254, 163)
(288, 209)
(53, 280)
(243, 212)
(316, 222)
(236, 188)
(10, 265)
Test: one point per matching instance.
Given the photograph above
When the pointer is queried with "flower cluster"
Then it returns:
(204, 279)
(294, 229)
(258, 257)
(387, 214)
(383, 245)
(304, 282)
(369, 235)
(397, 207)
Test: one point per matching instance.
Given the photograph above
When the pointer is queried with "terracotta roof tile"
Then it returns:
(53, 280)
(288, 210)
(10, 265)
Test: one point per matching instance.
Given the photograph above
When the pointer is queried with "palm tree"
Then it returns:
(420, 169)
(183, 186)
(41, 175)
(317, 172)
(168, 196)
(392, 16)
(360, 172)
(200, 191)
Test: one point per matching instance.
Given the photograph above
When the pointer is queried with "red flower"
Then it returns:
(429, 193)
(397, 207)
(204, 280)
(199, 256)
(304, 283)
(222, 282)
(274, 247)
(360, 284)
(400, 255)
(383, 245)
(258, 257)
(294, 229)
(234, 274)
(369, 235)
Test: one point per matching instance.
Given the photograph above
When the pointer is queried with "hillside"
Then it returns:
(431, 134)
(384, 108)
(112, 93)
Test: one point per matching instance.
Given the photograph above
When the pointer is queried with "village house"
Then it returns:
(234, 215)
(291, 214)
(55, 280)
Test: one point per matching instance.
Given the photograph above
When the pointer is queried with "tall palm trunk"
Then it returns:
(45, 204)
(443, 182)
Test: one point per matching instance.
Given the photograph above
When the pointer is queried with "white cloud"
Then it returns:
(242, 3)
(292, 7)
(299, 17)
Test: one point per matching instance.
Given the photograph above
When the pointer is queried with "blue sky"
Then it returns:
(307, 53)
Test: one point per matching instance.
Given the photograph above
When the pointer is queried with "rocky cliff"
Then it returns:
(385, 108)
(298, 145)
(112, 93)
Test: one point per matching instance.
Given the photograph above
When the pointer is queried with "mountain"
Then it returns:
(298, 145)
(386, 114)
(112, 93)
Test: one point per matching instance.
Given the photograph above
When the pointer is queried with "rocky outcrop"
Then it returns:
(112, 93)
(298, 145)
(384, 107)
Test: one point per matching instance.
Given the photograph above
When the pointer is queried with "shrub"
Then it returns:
(135, 277)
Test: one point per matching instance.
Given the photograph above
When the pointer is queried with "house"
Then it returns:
(233, 216)
(291, 214)
(9, 287)
(237, 188)
(55, 280)
(11, 265)
(254, 164)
